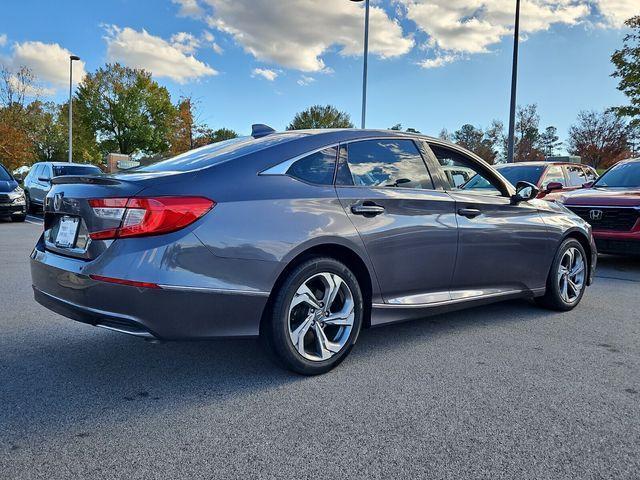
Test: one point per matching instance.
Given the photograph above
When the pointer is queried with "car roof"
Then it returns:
(65, 164)
(538, 164)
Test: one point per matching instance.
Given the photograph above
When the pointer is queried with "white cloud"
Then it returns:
(267, 73)
(209, 38)
(305, 80)
(185, 42)
(3, 39)
(188, 8)
(49, 63)
(472, 26)
(296, 36)
(438, 61)
(617, 11)
(164, 59)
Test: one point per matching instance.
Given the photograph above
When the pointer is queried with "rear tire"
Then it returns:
(315, 317)
(567, 278)
(19, 218)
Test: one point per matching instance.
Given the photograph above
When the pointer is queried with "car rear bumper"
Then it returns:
(166, 313)
(9, 210)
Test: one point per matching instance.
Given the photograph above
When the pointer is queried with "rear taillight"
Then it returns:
(143, 216)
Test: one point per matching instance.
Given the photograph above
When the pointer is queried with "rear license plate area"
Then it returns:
(65, 232)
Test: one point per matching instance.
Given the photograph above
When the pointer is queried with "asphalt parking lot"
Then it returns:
(502, 391)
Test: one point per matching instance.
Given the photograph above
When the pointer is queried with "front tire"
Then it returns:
(567, 278)
(315, 317)
(19, 218)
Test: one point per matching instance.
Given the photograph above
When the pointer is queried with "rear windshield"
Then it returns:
(216, 153)
(4, 175)
(622, 175)
(59, 170)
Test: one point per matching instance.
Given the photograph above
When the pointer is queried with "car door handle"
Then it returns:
(469, 212)
(368, 209)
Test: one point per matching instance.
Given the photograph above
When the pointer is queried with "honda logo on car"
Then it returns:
(595, 214)
(57, 201)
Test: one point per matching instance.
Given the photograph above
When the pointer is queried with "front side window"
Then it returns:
(462, 173)
(384, 163)
(317, 168)
(576, 176)
(554, 175)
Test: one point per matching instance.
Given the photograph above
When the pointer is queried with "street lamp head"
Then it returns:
(74, 57)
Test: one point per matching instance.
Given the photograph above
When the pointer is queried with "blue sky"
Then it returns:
(248, 61)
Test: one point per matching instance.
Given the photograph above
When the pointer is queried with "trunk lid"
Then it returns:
(69, 219)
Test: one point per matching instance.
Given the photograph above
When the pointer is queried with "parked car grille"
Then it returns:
(618, 219)
(4, 198)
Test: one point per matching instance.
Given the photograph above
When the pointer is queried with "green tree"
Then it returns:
(475, 140)
(47, 133)
(320, 116)
(549, 141)
(86, 148)
(600, 138)
(527, 135)
(627, 70)
(127, 109)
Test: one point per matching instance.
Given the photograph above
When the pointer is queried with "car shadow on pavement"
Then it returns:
(74, 375)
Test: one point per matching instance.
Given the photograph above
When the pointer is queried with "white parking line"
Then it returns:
(34, 220)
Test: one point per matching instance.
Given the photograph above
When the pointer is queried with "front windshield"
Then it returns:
(513, 173)
(4, 175)
(622, 175)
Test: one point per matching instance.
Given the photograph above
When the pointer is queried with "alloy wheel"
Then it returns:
(321, 316)
(571, 274)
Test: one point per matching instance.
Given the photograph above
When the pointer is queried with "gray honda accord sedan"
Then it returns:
(303, 238)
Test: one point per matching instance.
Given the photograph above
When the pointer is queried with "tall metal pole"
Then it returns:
(364, 70)
(71, 59)
(70, 108)
(514, 81)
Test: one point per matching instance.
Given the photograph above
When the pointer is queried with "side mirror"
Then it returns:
(44, 179)
(588, 184)
(551, 186)
(525, 191)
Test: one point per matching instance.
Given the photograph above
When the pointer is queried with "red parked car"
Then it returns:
(612, 207)
(551, 178)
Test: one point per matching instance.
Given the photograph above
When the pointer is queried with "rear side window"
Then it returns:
(554, 174)
(75, 170)
(317, 168)
(591, 174)
(576, 175)
(384, 163)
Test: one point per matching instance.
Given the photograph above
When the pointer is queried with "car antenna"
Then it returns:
(261, 130)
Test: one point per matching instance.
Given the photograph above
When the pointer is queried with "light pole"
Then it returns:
(71, 59)
(514, 81)
(366, 55)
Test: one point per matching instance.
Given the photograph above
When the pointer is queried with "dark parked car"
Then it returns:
(551, 178)
(12, 203)
(612, 207)
(38, 182)
(303, 238)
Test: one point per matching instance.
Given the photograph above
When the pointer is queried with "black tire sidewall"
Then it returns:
(279, 328)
